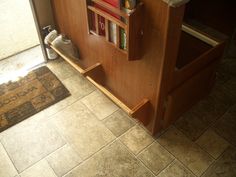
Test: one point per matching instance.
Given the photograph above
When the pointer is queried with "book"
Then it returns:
(123, 39)
(128, 5)
(112, 26)
(101, 21)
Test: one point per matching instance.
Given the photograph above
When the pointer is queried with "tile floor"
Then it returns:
(86, 135)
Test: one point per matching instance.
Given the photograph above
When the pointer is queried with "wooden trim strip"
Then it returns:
(110, 95)
(138, 107)
(90, 69)
(199, 35)
(68, 59)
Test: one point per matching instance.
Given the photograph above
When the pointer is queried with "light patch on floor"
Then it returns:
(19, 65)
(18, 31)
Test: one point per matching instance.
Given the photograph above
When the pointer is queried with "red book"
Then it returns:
(101, 20)
(114, 3)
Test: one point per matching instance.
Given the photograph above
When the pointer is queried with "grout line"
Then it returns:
(93, 111)
(174, 155)
(136, 157)
(215, 161)
(117, 139)
(9, 158)
(43, 158)
(214, 123)
(70, 104)
(50, 167)
(92, 155)
(139, 153)
(172, 161)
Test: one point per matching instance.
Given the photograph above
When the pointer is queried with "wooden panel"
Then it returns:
(150, 78)
(170, 49)
(190, 49)
(194, 55)
(185, 96)
(139, 77)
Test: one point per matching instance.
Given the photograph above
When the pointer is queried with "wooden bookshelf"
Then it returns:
(177, 67)
(130, 22)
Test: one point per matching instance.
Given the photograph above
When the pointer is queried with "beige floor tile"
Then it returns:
(119, 122)
(40, 169)
(156, 158)
(59, 106)
(228, 66)
(136, 139)
(230, 87)
(176, 169)
(190, 154)
(61, 69)
(30, 141)
(112, 161)
(225, 166)
(63, 160)
(191, 125)
(99, 104)
(195, 122)
(78, 86)
(7, 169)
(82, 129)
(214, 106)
(212, 143)
(226, 126)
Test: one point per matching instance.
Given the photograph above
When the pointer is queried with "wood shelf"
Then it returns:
(131, 22)
(140, 111)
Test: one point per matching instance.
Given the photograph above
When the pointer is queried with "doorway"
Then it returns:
(19, 43)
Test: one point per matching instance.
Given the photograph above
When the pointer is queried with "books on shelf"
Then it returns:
(126, 6)
(112, 26)
(101, 21)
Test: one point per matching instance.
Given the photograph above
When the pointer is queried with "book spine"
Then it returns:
(128, 6)
(112, 32)
(101, 26)
(123, 39)
(113, 26)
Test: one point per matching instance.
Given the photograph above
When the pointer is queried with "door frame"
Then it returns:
(38, 28)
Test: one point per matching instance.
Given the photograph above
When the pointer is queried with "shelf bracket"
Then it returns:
(92, 69)
(141, 111)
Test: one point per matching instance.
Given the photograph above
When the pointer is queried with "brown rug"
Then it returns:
(29, 95)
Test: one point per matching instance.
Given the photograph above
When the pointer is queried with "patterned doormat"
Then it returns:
(30, 94)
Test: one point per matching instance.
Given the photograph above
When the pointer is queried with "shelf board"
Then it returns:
(108, 17)
(110, 43)
(111, 8)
